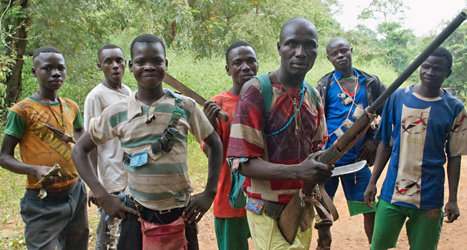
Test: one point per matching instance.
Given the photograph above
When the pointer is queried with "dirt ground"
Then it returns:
(348, 232)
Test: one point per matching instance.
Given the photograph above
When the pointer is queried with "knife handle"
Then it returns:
(223, 116)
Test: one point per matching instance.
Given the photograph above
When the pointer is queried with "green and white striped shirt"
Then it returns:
(161, 184)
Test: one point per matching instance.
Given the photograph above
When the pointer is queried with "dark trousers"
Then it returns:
(131, 237)
(59, 220)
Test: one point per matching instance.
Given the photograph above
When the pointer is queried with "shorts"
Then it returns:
(58, 220)
(354, 185)
(232, 233)
(423, 226)
(266, 234)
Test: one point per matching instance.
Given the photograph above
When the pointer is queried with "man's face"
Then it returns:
(148, 64)
(49, 69)
(242, 64)
(298, 48)
(112, 63)
(340, 55)
(434, 71)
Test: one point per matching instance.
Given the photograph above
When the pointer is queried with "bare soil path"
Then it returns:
(348, 232)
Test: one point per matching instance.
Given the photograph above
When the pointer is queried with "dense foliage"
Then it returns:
(195, 28)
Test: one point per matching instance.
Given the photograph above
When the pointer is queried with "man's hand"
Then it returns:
(369, 195)
(114, 207)
(197, 207)
(313, 171)
(92, 199)
(41, 171)
(211, 109)
(366, 150)
(451, 211)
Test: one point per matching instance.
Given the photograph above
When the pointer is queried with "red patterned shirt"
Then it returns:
(290, 146)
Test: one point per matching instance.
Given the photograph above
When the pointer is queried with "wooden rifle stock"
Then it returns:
(287, 224)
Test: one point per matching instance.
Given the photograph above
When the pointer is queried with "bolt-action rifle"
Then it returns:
(295, 212)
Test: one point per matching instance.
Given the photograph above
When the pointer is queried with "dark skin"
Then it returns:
(339, 53)
(112, 63)
(298, 50)
(49, 69)
(241, 67)
(433, 71)
(148, 66)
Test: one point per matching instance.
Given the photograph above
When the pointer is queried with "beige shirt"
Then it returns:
(110, 170)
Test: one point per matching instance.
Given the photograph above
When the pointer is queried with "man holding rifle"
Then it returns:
(272, 149)
(418, 144)
(346, 92)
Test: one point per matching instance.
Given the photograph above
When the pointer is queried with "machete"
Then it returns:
(170, 80)
(347, 169)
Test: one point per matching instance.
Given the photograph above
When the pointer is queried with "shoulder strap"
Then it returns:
(313, 95)
(266, 90)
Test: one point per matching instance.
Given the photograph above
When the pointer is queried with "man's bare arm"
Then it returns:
(201, 202)
(112, 204)
(451, 209)
(308, 170)
(93, 159)
(383, 153)
(9, 162)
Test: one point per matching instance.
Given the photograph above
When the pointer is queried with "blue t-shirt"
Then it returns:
(337, 112)
(423, 131)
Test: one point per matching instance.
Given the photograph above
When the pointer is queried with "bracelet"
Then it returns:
(304, 198)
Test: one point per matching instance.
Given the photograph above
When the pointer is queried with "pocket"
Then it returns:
(23, 204)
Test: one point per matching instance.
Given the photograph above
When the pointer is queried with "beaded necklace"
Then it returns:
(296, 115)
(348, 78)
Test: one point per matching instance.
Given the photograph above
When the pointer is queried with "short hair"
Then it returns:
(146, 38)
(45, 49)
(108, 46)
(295, 20)
(443, 52)
(236, 45)
(335, 40)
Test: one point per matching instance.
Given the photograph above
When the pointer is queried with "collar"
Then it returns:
(135, 107)
(338, 75)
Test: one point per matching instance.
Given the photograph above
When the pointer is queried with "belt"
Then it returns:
(168, 211)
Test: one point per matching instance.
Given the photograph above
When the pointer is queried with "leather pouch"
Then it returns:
(273, 209)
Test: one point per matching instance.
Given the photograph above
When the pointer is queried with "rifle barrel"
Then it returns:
(350, 137)
(418, 61)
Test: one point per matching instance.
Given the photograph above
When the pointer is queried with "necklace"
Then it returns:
(298, 118)
(347, 98)
(61, 124)
(348, 78)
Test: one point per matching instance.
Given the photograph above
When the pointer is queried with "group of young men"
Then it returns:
(132, 151)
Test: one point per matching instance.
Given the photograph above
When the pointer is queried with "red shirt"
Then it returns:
(221, 206)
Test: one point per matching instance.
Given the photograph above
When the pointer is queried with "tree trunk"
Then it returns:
(18, 47)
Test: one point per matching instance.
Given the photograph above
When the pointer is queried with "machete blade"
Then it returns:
(347, 169)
